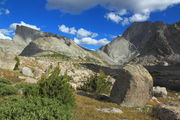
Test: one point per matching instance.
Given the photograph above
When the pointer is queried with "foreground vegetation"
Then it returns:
(50, 99)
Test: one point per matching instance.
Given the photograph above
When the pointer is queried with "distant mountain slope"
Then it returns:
(154, 41)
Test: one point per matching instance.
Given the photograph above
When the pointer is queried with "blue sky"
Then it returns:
(91, 23)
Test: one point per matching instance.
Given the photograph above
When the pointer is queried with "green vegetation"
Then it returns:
(34, 108)
(98, 83)
(58, 55)
(17, 63)
(4, 81)
(50, 99)
(7, 90)
(57, 86)
(29, 89)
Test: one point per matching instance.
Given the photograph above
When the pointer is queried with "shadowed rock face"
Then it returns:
(154, 38)
(154, 41)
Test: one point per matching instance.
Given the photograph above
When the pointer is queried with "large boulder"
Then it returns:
(168, 111)
(133, 87)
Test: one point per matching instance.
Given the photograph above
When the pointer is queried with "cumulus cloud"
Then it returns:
(138, 9)
(91, 41)
(114, 17)
(83, 33)
(4, 11)
(79, 33)
(3, 36)
(14, 25)
(75, 6)
(83, 36)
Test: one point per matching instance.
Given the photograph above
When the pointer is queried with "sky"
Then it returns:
(90, 23)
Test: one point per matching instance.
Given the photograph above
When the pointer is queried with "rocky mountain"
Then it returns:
(154, 41)
(31, 42)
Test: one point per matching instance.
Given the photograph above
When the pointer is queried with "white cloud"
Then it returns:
(3, 36)
(83, 36)
(125, 21)
(114, 17)
(122, 12)
(4, 11)
(94, 35)
(77, 6)
(79, 33)
(7, 12)
(139, 17)
(138, 8)
(64, 29)
(91, 41)
(72, 31)
(14, 25)
(83, 33)
(5, 31)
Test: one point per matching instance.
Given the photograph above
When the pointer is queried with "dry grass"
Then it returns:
(86, 110)
(10, 75)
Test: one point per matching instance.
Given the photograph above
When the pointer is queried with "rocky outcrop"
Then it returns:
(168, 111)
(154, 41)
(166, 76)
(133, 87)
(7, 61)
(119, 51)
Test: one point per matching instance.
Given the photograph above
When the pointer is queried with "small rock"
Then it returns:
(80, 92)
(167, 112)
(154, 99)
(100, 97)
(30, 80)
(20, 91)
(110, 110)
(159, 91)
(27, 71)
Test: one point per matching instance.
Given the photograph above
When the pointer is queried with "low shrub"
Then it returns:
(35, 108)
(98, 83)
(5, 81)
(17, 63)
(7, 90)
(29, 89)
(57, 86)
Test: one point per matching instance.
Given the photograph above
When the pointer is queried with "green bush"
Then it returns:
(98, 83)
(7, 90)
(4, 81)
(17, 63)
(29, 89)
(35, 108)
(57, 86)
